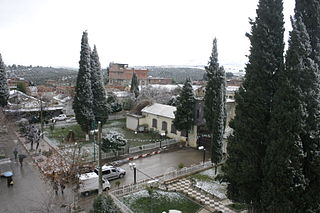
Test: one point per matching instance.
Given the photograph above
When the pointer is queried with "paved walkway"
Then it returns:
(184, 185)
(46, 157)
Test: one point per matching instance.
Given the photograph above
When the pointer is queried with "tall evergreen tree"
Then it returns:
(214, 100)
(83, 100)
(184, 116)
(4, 91)
(247, 146)
(134, 85)
(100, 104)
(309, 10)
(285, 182)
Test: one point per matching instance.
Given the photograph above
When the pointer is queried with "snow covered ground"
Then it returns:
(159, 201)
(209, 185)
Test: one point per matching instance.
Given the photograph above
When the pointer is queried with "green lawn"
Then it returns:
(61, 132)
(111, 126)
(159, 201)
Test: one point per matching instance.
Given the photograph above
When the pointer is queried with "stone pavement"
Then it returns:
(184, 185)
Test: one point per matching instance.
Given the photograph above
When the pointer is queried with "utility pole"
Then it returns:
(41, 116)
(99, 161)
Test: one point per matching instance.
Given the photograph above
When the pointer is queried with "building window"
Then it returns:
(154, 123)
(184, 133)
(173, 129)
(198, 113)
(164, 126)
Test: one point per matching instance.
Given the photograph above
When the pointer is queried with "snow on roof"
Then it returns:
(62, 98)
(228, 100)
(232, 88)
(87, 176)
(13, 93)
(160, 109)
(160, 86)
(121, 94)
(168, 86)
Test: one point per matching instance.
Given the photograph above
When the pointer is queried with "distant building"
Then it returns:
(234, 82)
(13, 83)
(159, 80)
(21, 103)
(120, 75)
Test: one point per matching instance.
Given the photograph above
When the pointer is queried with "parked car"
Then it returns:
(111, 172)
(60, 117)
(71, 120)
(90, 182)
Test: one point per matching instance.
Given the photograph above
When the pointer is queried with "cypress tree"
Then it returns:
(285, 181)
(100, 105)
(309, 10)
(134, 85)
(83, 100)
(247, 146)
(4, 91)
(184, 116)
(214, 109)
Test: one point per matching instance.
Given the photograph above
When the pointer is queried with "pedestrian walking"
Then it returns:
(62, 186)
(21, 157)
(15, 152)
(9, 181)
(55, 187)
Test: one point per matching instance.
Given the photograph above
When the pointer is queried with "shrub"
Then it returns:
(180, 165)
(104, 204)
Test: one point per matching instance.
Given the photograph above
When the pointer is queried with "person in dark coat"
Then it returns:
(15, 152)
(62, 186)
(55, 187)
(9, 181)
(21, 157)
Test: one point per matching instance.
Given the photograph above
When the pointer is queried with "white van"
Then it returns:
(111, 172)
(90, 182)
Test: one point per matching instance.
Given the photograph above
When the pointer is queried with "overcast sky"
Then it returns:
(137, 32)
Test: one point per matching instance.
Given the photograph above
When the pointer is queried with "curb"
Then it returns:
(144, 155)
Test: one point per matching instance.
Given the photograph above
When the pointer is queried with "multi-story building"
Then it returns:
(14, 82)
(120, 75)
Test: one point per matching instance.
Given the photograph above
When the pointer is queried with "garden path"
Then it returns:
(184, 185)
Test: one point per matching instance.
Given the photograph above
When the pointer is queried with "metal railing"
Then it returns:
(161, 179)
(120, 205)
(152, 146)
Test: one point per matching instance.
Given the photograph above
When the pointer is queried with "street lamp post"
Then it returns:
(163, 134)
(204, 152)
(100, 157)
(93, 133)
(133, 166)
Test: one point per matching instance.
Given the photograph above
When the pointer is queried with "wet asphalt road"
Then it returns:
(159, 164)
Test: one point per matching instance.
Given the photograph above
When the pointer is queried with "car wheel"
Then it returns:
(121, 175)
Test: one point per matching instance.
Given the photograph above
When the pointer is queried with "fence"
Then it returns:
(161, 179)
(140, 148)
(152, 146)
(122, 206)
(131, 150)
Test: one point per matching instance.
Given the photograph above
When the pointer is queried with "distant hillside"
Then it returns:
(39, 75)
(179, 74)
